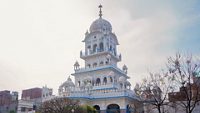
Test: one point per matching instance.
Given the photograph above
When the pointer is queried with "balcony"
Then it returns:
(88, 54)
(105, 86)
(104, 93)
(82, 70)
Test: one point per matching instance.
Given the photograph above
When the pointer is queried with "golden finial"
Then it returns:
(100, 12)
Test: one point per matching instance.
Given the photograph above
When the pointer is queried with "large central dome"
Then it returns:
(101, 25)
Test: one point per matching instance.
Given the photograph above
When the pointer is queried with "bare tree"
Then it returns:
(185, 72)
(154, 90)
(61, 105)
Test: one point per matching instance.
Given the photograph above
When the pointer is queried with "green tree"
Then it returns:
(12, 111)
(89, 109)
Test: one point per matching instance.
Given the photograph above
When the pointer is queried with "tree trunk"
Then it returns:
(159, 109)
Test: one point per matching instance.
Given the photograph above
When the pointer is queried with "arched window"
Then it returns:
(101, 63)
(113, 108)
(110, 48)
(88, 65)
(115, 53)
(95, 64)
(98, 81)
(111, 79)
(97, 108)
(94, 48)
(107, 61)
(88, 50)
(129, 109)
(101, 47)
(121, 85)
(79, 83)
(105, 80)
(89, 47)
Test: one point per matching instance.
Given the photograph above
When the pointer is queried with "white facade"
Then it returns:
(47, 94)
(28, 105)
(100, 82)
(25, 106)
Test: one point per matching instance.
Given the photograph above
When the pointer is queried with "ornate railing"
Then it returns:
(80, 70)
(102, 93)
(86, 54)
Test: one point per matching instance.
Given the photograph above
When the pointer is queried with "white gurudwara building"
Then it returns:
(100, 83)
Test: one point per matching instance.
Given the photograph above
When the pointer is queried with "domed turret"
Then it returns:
(125, 69)
(68, 83)
(67, 86)
(101, 25)
(76, 66)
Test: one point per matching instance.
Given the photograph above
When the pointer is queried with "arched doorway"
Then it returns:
(104, 80)
(113, 108)
(128, 109)
(97, 108)
(94, 48)
(101, 47)
(98, 81)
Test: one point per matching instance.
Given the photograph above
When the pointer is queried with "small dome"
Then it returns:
(122, 79)
(68, 83)
(69, 79)
(76, 63)
(124, 67)
(101, 25)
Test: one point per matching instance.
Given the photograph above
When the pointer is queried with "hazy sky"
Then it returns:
(41, 39)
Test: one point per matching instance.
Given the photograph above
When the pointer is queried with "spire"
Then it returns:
(69, 79)
(100, 12)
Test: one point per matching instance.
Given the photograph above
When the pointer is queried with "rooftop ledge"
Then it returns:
(84, 70)
(85, 55)
(102, 94)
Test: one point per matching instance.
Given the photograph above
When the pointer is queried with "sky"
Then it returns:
(41, 39)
